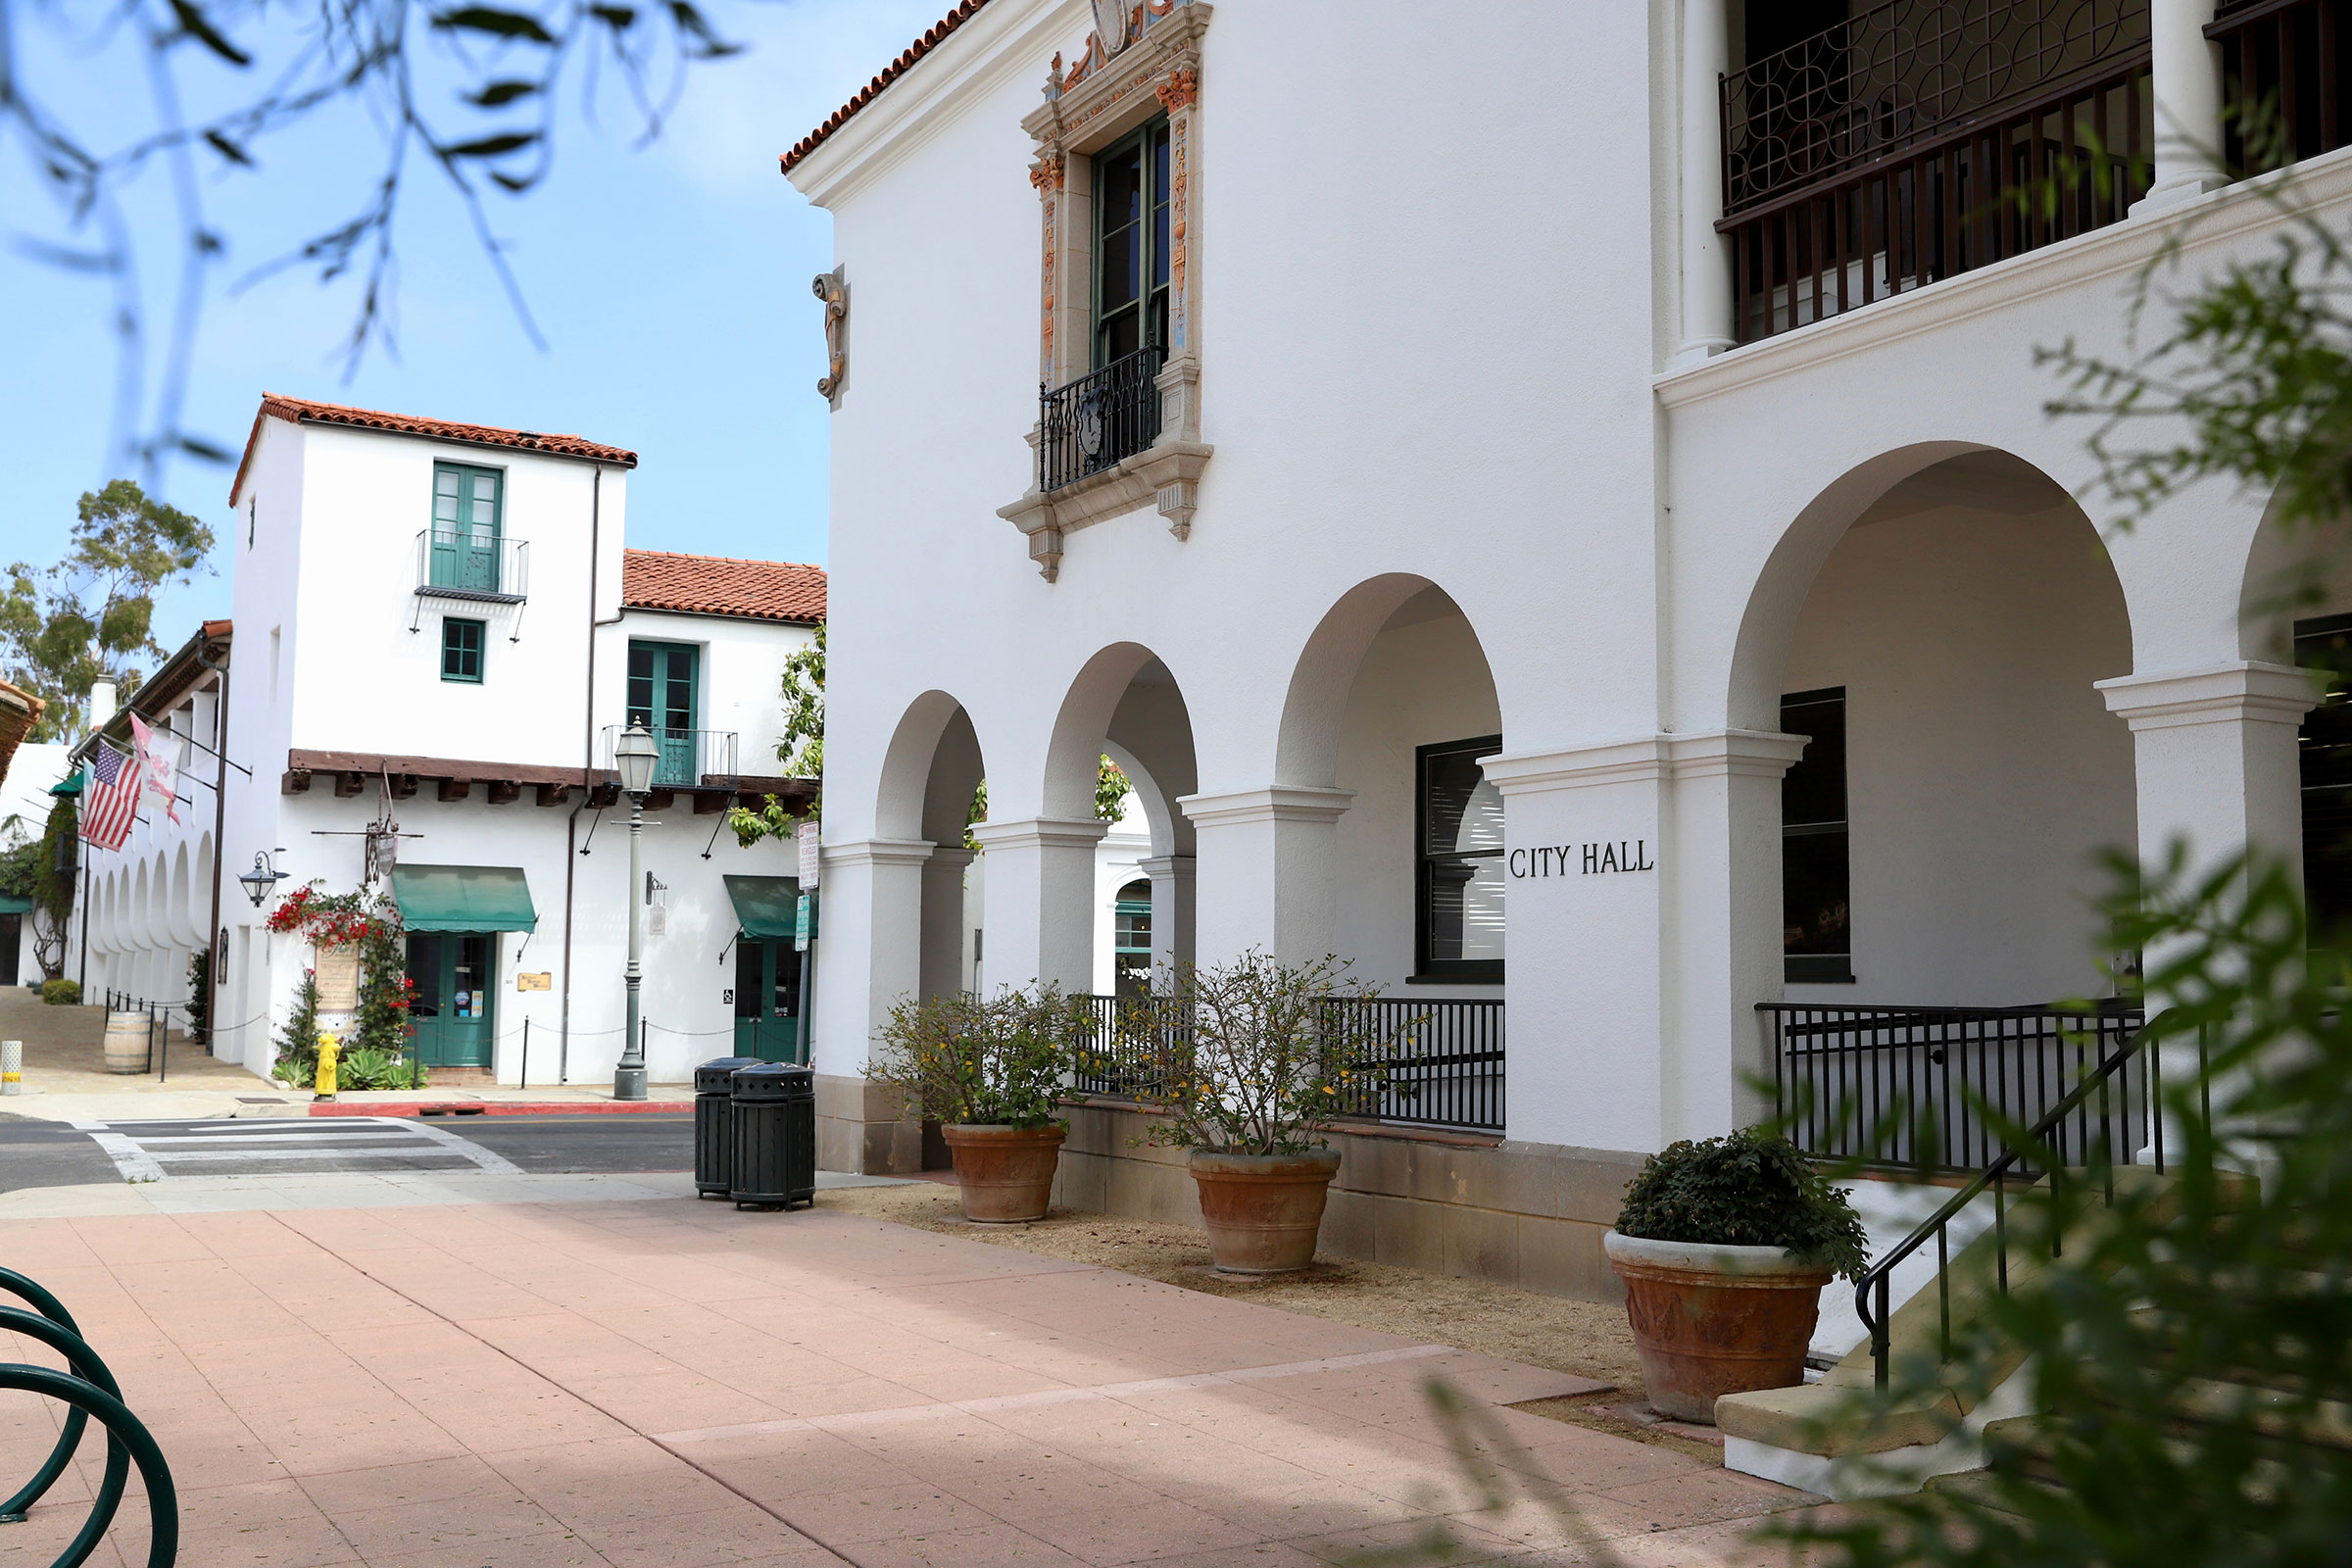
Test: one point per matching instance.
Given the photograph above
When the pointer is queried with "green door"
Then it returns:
(661, 699)
(455, 975)
(767, 999)
(466, 528)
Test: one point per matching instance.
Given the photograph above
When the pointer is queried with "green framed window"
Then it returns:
(661, 696)
(467, 523)
(1131, 940)
(1458, 927)
(461, 651)
(1132, 243)
(1817, 938)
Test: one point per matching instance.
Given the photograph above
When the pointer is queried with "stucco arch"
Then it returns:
(2291, 572)
(1308, 746)
(904, 785)
(1125, 697)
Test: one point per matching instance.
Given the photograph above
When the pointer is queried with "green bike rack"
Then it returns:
(89, 1390)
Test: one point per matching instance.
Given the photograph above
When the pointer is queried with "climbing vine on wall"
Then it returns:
(368, 921)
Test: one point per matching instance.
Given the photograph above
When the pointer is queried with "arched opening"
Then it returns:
(2296, 608)
(1935, 850)
(1096, 844)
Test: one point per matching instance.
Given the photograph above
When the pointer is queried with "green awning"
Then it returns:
(14, 904)
(765, 906)
(464, 897)
(71, 785)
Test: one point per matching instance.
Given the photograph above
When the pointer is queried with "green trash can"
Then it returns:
(714, 1125)
(773, 1112)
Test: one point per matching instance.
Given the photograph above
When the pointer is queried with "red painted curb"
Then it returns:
(498, 1107)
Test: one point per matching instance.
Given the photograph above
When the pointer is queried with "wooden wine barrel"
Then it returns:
(125, 1042)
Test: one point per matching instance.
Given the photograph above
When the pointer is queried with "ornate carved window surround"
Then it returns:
(1152, 68)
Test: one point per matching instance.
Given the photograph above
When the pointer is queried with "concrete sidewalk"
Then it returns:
(673, 1385)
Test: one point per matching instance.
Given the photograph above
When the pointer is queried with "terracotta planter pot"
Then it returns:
(1006, 1174)
(1263, 1211)
(1710, 1320)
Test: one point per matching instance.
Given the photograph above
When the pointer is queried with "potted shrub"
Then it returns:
(991, 1072)
(1724, 1246)
(1258, 1055)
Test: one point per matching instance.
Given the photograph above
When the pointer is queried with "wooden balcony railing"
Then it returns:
(1923, 138)
(2281, 61)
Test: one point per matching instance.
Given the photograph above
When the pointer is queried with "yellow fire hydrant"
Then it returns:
(329, 1047)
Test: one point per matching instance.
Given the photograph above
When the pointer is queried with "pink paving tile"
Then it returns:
(983, 1546)
(782, 1467)
(1472, 1544)
(694, 1539)
(560, 1551)
(138, 1239)
(1138, 1531)
(881, 1513)
(474, 1517)
(1262, 1554)
(1313, 1507)
(256, 1503)
(427, 1480)
(1702, 1497)
(301, 1543)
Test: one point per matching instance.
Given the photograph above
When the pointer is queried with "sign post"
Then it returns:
(803, 934)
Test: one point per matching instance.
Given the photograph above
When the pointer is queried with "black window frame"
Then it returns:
(2324, 777)
(453, 643)
(1816, 968)
(1426, 968)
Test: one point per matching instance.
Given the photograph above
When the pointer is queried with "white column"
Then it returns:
(1724, 924)
(943, 919)
(2214, 756)
(870, 945)
(1707, 277)
(1039, 896)
(1173, 887)
(1268, 871)
(2187, 72)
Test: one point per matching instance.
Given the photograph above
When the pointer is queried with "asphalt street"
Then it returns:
(47, 1153)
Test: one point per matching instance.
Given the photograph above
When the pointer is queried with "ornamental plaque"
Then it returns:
(339, 973)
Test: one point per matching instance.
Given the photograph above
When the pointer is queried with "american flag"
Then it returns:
(113, 798)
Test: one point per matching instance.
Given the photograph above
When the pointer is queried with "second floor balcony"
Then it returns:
(1919, 139)
(476, 565)
(690, 758)
(1100, 419)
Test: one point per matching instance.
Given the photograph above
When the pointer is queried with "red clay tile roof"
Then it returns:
(300, 411)
(722, 585)
(891, 73)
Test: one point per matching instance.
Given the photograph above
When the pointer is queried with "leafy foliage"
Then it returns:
(90, 615)
(372, 1068)
(42, 868)
(198, 1008)
(469, 92)
(1264, 1054)
(2193, 1346)
(1110, 799)
(298, 1038)
(370, 921)
(801, 751)
(988, 1060)
(61, 993)
(1753, 1187)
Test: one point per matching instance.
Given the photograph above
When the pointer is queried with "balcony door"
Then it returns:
(1132, 245)
(661, 698)
(466, 528)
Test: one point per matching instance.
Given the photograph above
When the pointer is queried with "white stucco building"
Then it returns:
(436, 629)
(1585, 570)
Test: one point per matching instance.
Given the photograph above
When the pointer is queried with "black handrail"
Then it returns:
(1994, 1175)
(88, 1389)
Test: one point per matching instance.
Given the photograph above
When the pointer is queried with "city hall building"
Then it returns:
(1557, 509)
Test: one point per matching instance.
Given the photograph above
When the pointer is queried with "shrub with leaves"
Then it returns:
(298, 1039)
(1260, 1054)
(61, 993)
(1751, 1189)
(2192, 1341)
(998, 1060)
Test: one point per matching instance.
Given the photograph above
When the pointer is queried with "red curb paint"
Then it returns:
(502, 1107)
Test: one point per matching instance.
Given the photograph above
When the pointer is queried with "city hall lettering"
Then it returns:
(1583, 860)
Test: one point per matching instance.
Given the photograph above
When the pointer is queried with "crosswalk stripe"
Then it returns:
(140, 1150)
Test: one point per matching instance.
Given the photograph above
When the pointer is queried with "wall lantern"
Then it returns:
(264, 876)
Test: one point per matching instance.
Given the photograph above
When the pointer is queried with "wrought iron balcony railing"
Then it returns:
(1092, 423)
(462, 563)
(691, 758)
(1923, 139)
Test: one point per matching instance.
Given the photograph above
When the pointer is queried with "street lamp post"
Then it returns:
(634, 755)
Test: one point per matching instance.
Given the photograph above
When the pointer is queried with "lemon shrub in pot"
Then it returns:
(1724, 1246)
(991, 1072)
(1256, 1058)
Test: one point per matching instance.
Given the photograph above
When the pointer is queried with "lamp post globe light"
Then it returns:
(634, 755)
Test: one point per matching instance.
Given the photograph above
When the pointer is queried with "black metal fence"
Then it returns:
(1422, 1063)
(2283, 65)
(1935, 1090)
(1090, 424)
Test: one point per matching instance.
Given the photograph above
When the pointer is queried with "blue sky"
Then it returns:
(671, 282)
